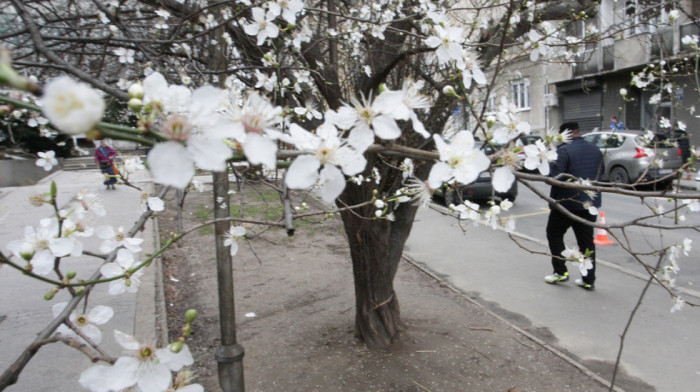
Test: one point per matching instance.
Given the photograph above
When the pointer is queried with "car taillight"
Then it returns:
(640, 153)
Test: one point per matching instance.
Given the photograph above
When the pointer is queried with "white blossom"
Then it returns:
(262, 25)
(72, 107)
(585, 263)
(323, 151)
(369, 118)
(86, 323)
(115, 239)
(446, 40)
(123, 264)
(538, 156)
(690, 40)
(126, 56)
(47, 160)
(40, 247)
(144, 366)
(678, 304)
(232, 236)
(459, 161)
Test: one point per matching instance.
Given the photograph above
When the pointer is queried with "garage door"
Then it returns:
(584, 108)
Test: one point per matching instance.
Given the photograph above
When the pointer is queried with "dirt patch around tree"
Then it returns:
(301, 337)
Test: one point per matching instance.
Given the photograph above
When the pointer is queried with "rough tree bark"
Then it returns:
(376, 247)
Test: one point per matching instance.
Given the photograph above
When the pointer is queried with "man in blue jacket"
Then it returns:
(578, 159)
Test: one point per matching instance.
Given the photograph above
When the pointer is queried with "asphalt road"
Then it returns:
(506, 276)
(531, 216)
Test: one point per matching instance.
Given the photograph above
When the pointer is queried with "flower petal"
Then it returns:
(386, 128)
(361, 138)
(100, 314)
(303, 172)
(125, 340)
(260, 150)
(58, 308)
(439, 173)
(503, 178)
(170, 164)
(92, 332)
(111, 270)
(333, 183)
(42, 262)
(350, 160)
(61, 246)
(155, 204)
(208, 153)
(155, 377)
(175, 361)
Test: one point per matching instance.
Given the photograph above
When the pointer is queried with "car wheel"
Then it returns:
(619, 175)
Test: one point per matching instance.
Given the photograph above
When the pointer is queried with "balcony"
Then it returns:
(594, 61)
(664, 43)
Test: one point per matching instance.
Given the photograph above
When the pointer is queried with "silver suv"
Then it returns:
(628, 156)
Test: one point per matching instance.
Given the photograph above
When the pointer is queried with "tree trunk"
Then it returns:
(376, 246)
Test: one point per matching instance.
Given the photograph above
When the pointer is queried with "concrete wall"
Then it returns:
(632, 52)
(23, 172)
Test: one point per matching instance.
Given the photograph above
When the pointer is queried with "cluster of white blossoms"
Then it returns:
(206, 125)
(584, 262)
(143, 368)
(60, 236)
(674, 253)
(491, 217)
(43, 245)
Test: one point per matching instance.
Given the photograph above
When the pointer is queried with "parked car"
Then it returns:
(480, 190)
(628, 157)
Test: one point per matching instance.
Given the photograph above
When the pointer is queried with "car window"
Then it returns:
(658, 141)
(592, 139)
(610, 140)
(527, 140)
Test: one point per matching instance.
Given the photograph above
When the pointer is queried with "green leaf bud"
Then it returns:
(135, 104)
(190, 315)
(135, 91)
(176, 347)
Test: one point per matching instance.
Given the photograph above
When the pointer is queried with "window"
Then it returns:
(520, 94)
(644, 15)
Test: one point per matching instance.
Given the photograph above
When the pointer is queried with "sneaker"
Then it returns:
(556, 278)
(586, 286)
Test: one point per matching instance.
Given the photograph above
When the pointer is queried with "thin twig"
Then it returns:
(629, 324)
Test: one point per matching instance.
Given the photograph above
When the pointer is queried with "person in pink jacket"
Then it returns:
(104, 156)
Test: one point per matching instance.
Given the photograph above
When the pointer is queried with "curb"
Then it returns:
(150, 318)
(588, 372)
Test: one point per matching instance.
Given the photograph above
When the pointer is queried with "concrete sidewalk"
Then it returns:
(24, 312)
(661, 348)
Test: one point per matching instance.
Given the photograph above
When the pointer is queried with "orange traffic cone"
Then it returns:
(601, 237)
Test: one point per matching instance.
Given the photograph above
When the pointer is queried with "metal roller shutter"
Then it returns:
(584, 108)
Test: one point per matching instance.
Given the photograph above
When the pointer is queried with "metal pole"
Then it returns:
(230, 355)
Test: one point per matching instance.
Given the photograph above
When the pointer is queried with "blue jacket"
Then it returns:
(583, 160)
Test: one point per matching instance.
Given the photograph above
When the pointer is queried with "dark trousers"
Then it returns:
(106, 168)
(557, 225)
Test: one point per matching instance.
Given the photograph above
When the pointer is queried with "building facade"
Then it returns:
(587, 88)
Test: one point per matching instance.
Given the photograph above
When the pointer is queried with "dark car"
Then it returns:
(480, 190)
